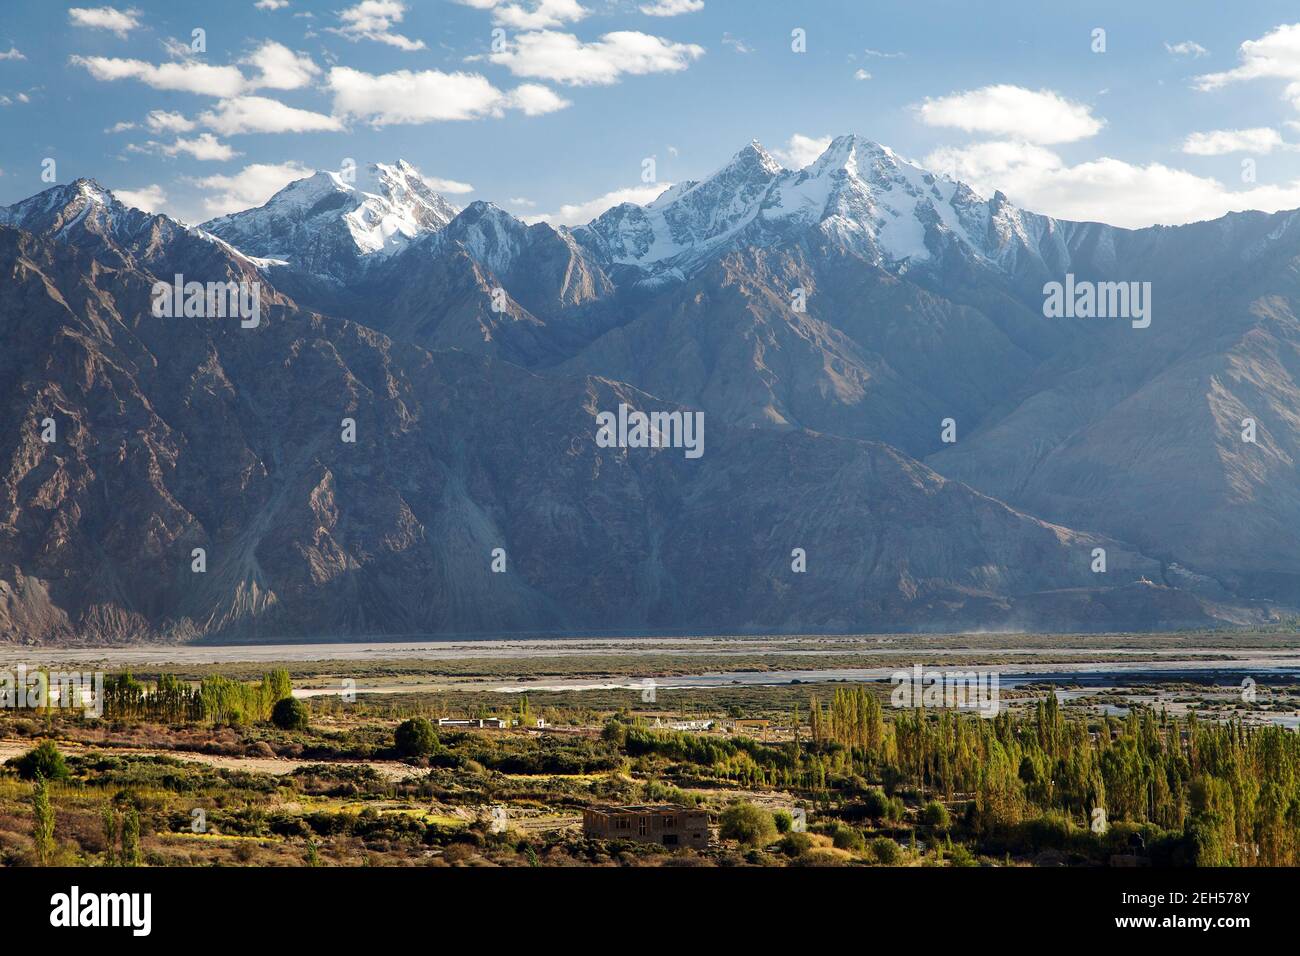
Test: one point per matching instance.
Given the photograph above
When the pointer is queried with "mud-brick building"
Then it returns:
(670, 825)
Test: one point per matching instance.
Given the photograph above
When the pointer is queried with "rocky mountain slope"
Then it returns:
(474, 353)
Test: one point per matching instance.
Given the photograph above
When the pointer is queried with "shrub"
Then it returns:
(783, 820)
(847, 838)
(44, 760)
(415, 738)
(875, 804)
(962, 856)
(935, 814)
(886, 851)
(289, 714)
(795, 844)
(747, 823)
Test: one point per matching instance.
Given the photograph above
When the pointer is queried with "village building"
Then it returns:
(670, 825)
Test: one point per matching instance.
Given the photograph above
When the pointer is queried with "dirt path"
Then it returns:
(388, 769)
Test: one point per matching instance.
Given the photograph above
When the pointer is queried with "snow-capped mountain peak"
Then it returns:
(858, 194)
(330, 226)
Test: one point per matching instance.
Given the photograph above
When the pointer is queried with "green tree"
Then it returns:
(42, 822)
(290, 713)
(131, 855)
(44, 760)
(109, 819)
(415, 738)
(747, 823)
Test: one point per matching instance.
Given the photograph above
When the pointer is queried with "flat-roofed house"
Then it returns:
(669, 825)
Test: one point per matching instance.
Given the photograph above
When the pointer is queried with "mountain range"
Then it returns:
(885, 402)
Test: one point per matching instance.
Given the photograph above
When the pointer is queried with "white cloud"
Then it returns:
(449, 186)
(13, 54)
(671, 8)
(120, 22)
(187, 77)
(279, 68)
(1276, 54)
(121, 127)
(149, 199)
(259, 114)
(533, 99)
(862, 75)
(1221, 141)
(373, 20)
(881, 53)
(251, 186)
(577, 214)
(564, 58)
(271, 4)
(1187, 48)
(203, 147)
(430, 96)
(991, 162)
(1036, 116)
(160, 121)
(1102, 190)
(532, 14)
(176, 49)
(800, 150)
(522, 202)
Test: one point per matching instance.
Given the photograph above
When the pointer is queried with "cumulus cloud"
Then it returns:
(12, 54)
(149, 198)
(259, 114)
(430, 96)
(563, 58)
(671, 8)
(205, 146)
(279, 68)
(373, 20)
(1276, 55)
(119, 22)
(1221, 141)
(1102, 190)
(251, 186)
(1187, 48)
(533, 99)
(1035, 116)
(577, 214)
(800, 150)
(531, 15)
(189, 76)
(160, 121)
(271, 4)
(862, 75)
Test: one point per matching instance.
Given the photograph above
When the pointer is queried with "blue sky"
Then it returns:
(1183, 116)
